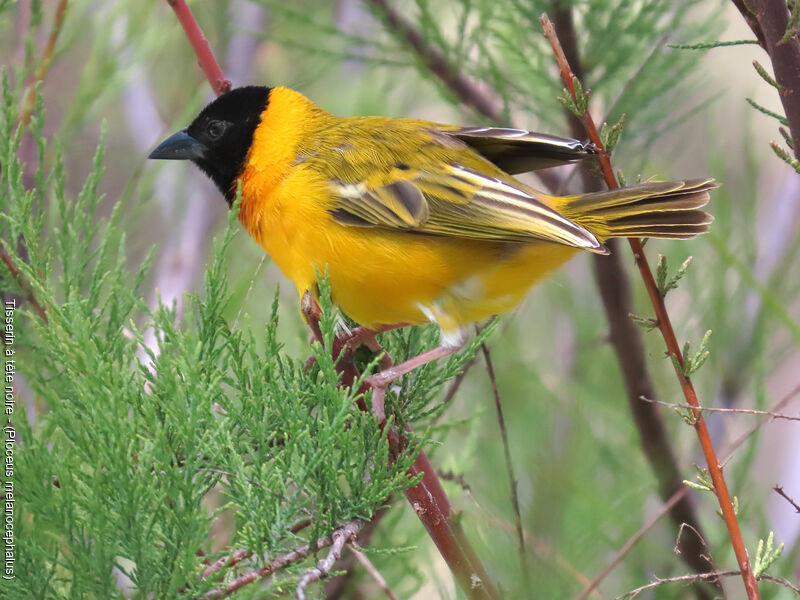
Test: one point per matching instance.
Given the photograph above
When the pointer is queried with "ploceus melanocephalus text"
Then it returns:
(414, 221)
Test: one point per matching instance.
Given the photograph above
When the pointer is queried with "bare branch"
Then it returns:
(281, 562)
(373, 572)
(23, 284)
(242, 553)
(342, 536)
(744, 437)
(632, 541)
(779, 490)
(512, 479)
(226, 561)
(29, 97)
(667, 332)
(465, 89)
(336, 586)
(706, 577)
(428, 498)
(751, 21)
(744, 411)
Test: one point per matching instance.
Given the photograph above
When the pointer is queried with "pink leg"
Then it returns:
(366, 337)
(363, 336)
(380, 381)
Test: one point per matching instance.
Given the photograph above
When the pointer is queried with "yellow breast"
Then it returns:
(377, 277)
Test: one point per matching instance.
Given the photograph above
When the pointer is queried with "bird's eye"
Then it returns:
(215, 129)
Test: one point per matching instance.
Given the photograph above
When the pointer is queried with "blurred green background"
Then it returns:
(584, 485)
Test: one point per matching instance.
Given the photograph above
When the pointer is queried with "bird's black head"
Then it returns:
(217, 141)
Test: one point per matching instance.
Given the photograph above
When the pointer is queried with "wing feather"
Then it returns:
(457, 201)
(519, 150)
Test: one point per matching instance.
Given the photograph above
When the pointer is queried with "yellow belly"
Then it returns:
(381, 277)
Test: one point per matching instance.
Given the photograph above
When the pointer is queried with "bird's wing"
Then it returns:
(520, 150)
(451, 199)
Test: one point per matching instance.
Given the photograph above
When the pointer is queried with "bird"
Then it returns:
(413, 221)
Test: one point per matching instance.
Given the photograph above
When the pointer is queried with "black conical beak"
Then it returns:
(180, 146)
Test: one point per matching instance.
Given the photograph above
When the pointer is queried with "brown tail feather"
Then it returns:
(659, 209)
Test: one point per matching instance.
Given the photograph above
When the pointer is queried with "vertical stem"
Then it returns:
(427, 498)
(512, 479)
(205, 56)
(668, 333)
(614, 285)
(429, 501)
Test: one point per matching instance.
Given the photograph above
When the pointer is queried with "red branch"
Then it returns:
(27, 104)
(280, 562)
(205, 56)
(29, 97)
(667, 332)
(427, 498)
(17, 275)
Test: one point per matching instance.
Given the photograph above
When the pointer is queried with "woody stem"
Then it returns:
(667, 332)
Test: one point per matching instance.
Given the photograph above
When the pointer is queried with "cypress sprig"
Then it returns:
(781, 153)
(766, 76)
(781, 119)
(766, 554)
(712, 45)
(664, 281)
(693, 362)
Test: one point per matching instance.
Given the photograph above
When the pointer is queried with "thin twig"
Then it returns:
(28, 104)
(242, 553)
(465, 89)
(23, 284)
(668, 333)
(373, 572)
(512, 480)
(751, 21)
(541, 550)
(457, 381)
(632, 541)
(280, 562)
(746, 435)
(676, 547)
(614, 285)
(342, 536)
(779, 490)
(336, 587)
(428, 498)
(29, 98)
(459, 480)
(226, 561)
(205, 57)
(706, 577)
(744, 411)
